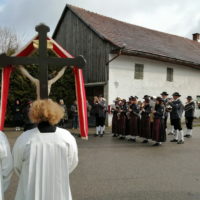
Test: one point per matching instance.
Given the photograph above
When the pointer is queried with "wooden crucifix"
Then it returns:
(43, 60)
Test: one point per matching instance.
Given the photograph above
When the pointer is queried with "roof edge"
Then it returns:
(68, 7)
(160, 58)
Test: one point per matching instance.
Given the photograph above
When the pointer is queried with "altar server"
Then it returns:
(45, 156)
(6, 164)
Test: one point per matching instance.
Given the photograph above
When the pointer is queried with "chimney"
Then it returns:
(196, 37)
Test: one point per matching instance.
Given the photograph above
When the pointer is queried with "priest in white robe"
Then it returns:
(45, 156)
(6, 164)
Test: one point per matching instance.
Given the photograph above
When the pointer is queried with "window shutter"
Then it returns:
(139, 68)
(170, 74)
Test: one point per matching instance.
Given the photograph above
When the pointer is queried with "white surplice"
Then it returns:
(43, 162)
(6, 164)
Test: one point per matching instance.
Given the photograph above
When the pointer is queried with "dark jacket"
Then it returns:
(160, 111)
(146, 112)
(99, 109)
(135, 109)
(177, 109)
(189, 109)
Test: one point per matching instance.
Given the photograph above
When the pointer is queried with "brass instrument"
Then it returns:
(129, 111)
(152, 114)
(118, 109)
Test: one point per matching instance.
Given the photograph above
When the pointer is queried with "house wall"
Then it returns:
(122, 83)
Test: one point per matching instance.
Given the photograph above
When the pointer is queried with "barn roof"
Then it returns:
(138, 40)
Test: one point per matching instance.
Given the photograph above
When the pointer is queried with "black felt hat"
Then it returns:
(164, 94)
(189, 97)
(133, 98)
(146, 96)
(176, 94)
(130, 98)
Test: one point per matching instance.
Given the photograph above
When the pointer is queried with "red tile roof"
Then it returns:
(140, 39)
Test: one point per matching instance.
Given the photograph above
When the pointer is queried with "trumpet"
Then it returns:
(129, 111)
(118, 109)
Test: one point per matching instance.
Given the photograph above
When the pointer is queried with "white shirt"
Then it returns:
(6, 164)
(43, 162)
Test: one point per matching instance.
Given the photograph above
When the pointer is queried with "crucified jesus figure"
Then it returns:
(36, 82)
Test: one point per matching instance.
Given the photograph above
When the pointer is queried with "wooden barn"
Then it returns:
(125, 59)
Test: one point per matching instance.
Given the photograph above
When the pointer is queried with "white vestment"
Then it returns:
(6, 164)
(43, 162)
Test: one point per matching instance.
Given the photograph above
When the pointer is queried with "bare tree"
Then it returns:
(9, 44)
(9, 41)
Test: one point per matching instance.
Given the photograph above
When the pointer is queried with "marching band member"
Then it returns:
(122, 119)
(145, 130)
(114, 110)
(176, 114)
(100, 114)
(159, 133)
(134, 119)
(164, 96)
(189, 116)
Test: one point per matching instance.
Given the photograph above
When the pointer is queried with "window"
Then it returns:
(170, 74)
(139, 68)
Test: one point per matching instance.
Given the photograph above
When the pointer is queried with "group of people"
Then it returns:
(42, 157)
(148, 119)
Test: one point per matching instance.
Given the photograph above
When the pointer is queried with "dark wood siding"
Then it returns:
(78, 39)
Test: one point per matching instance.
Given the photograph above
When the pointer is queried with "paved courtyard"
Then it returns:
(110, 169)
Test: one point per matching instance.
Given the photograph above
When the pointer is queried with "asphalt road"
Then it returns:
(110, 169)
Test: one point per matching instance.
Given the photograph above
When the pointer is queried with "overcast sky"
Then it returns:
(179, 17)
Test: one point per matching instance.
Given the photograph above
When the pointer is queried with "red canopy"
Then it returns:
(29, 49)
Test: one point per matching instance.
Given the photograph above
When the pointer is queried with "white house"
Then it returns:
(124, 59)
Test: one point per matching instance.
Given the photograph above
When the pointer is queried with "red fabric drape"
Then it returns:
(82, 104)
(80, 91)
(5, 82)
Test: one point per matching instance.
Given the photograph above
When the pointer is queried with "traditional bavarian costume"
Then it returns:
(159, 133)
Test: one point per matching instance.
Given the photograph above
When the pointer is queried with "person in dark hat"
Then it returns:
(159, 133)
(165, 99)
(176, 114)
(134, 119)
(189, 116)
(145, 130)
(164, 95)
(114, 111)
(122, 119)
(99, 107)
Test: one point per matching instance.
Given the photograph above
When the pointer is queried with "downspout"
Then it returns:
(119, 53)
